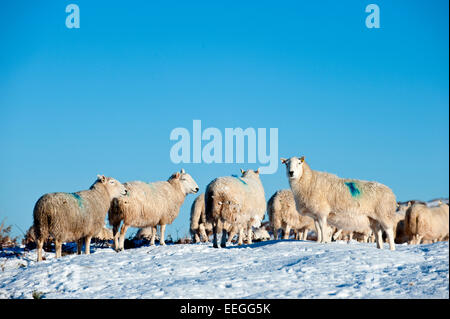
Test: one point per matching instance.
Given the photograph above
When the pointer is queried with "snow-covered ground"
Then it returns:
(271, 269)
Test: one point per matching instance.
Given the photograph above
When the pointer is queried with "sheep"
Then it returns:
(74, 216)
(399, 227)
(104, 234)
(283, 214)
(317, 194)
(199, 226)
(145, 233)
(261, 234)
(351, 223)
(239, 201)
(149, 205)
(424, 223)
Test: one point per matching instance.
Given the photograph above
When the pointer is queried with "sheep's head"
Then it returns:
(114, 187)
(188, 185)
(402, 208)
(294, 167)
(250, 173)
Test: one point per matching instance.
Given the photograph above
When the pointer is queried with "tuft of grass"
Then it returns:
(37, 294)
(5, 239)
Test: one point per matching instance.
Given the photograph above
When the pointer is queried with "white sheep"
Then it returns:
(146, 233)
(351, 223)
(261, 234)
(284, 215)
(74, 216)
(423, 223)
(239, 201)
(318, 194)
(200, 228)
(149, 205)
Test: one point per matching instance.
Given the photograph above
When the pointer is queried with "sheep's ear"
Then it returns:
(177, 175)
(302, 159)
(182, 171)
(257, 171)
(242, 171)
(283, 160)
(101, 178)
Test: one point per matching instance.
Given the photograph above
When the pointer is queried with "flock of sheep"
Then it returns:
(334, 207)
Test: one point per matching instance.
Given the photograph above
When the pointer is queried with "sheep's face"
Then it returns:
(188, 185)
(114, 187)
(402, 208)
(294, 167)
(250, 173)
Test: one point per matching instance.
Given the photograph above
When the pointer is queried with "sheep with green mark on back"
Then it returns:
(318, 194)
(239, 201)
(74, 216)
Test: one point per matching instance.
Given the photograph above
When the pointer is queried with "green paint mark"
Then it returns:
(78, 198)
(240, 179)
(353, 188)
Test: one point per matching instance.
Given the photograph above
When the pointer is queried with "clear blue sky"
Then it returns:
(363, 103)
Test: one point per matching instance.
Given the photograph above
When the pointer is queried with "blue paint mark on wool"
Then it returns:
(240, 179)
(78, 198)
(353, 188)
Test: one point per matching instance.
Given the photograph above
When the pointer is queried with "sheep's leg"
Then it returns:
(203, 233)
(249, 235)
(215, 236)
(196, 238)
(337, 234)
(123, 231)
(87, 245)
(324, 228)
(223, 239)
(58, 248)
(287, 232)
(241, 236)
(365, 239)
(350, 237)
(152, 241)
(305, 234)
(318, 231)
(418, 239)
(379, 238)
(79, 246)
(40, 247)
(161, 238)
(390, 235)
(232, 233)
(275, 233)
(116, 235)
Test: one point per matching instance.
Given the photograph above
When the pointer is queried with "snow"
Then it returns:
(270, 269)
